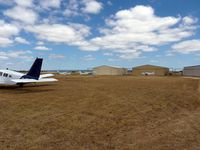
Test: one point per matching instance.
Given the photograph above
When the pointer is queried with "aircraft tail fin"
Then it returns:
(34, 72)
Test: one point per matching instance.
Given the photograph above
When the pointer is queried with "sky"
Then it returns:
(82, 34)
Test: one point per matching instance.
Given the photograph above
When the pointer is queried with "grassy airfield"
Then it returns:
(102, 113)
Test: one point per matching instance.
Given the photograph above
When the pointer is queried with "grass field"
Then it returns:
(102, 113)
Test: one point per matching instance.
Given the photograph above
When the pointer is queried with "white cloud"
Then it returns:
(6, 32)
(133, 31)
(128, 33)
(72, 8)
(81, 7)
(56, 56)
(89, 58)
(42, 48)
(21, 40)
(92, 6)
(3, 57)
(189, 20)
(40, 43)
(188, 46)
(71, 34)
(24, 3)
(50, 3)
(5, 42)
(15, 54)
(25, 15)
(169, 54)
(69, 12)
(130, 55)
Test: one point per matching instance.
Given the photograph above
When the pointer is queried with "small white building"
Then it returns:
(109, 70)
(192, 71)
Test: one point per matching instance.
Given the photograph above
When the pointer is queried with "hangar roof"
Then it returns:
(192, 67)
(105, 66)
(150, 66)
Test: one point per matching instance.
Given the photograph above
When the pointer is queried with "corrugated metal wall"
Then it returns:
(191, 71)
(109, 71)
(154, 70)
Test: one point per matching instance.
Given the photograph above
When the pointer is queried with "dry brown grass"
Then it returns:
(102, 113)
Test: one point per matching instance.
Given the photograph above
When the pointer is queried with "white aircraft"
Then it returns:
(84, 72)
(9, 77)
(65, 73)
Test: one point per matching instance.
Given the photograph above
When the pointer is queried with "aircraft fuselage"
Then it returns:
(6, 77)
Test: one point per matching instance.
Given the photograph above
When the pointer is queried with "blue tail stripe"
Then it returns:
(34, 72)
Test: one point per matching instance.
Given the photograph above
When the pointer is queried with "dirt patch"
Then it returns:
(102, 113)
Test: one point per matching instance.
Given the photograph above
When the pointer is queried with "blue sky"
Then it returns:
(81, 34)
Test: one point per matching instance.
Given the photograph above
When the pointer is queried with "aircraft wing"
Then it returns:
(46, 75)
(18, 81)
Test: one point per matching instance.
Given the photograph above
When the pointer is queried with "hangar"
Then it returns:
(150, 70)
(109, 70)
(192, 71)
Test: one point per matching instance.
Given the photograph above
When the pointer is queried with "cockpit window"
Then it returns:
(10, 76)
(5, 75)
(1, 73)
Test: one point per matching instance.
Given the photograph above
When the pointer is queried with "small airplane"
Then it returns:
(9, 77)
(65, 73)
(85, 73)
